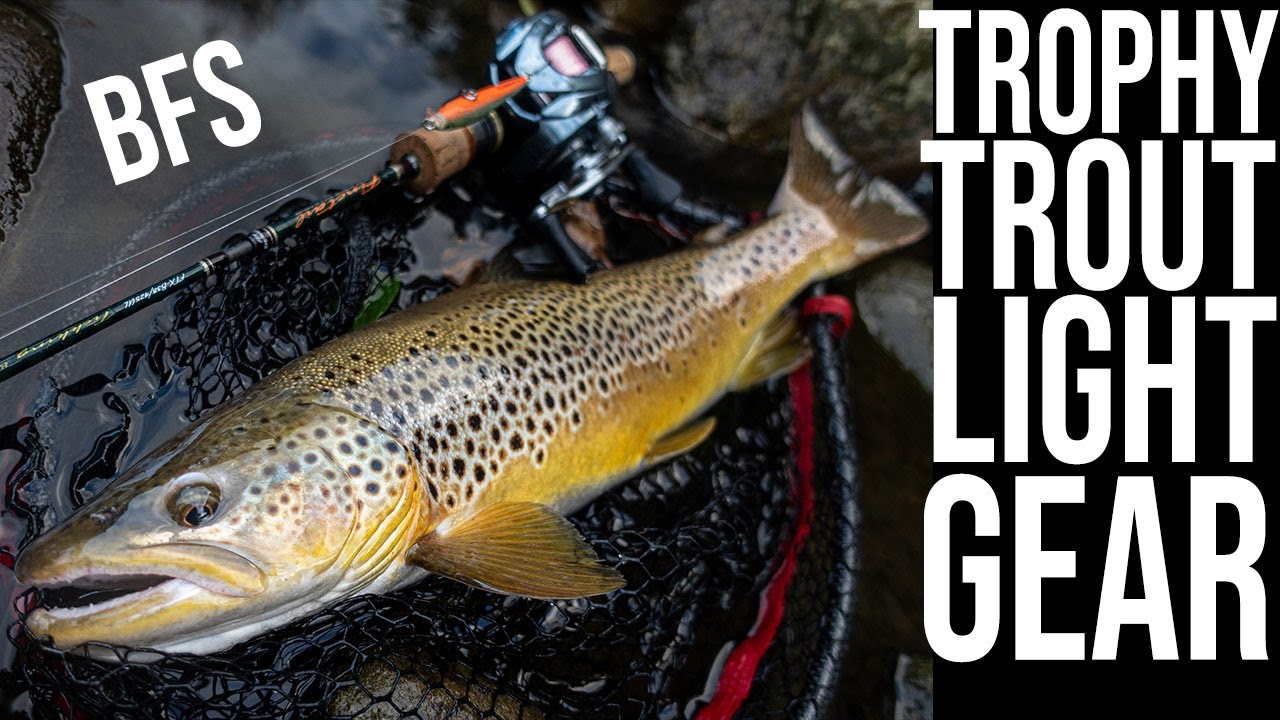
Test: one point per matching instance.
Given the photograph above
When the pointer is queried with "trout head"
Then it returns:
(236, 526)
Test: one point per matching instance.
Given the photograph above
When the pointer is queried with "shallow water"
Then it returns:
(332, 80)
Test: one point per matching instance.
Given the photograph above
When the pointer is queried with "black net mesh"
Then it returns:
(697, 540)
(801, 668)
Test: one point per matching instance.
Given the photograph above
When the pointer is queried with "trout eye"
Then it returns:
(195, 505)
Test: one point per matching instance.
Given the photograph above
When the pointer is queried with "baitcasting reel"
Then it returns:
(554, 141)
(564, 142)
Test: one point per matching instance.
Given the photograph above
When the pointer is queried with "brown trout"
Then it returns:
(453, 437)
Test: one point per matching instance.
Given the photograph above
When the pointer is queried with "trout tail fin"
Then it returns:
(870, 215)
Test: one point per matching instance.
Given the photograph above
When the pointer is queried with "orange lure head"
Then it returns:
(472, 105)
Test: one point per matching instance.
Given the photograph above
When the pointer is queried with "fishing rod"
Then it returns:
(452, 144)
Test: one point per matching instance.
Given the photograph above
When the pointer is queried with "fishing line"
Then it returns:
(275, 197)
(285, 190)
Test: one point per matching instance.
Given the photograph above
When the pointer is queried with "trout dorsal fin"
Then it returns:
(517, 548)
(713, 235)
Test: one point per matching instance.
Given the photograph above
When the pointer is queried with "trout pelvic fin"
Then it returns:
(679, 441)
(865, 210)
(778, 348)
(517, 548)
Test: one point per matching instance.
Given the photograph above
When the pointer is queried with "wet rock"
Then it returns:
(733, 65)
(30, 86)
(637, 17)
(913, 683)
(742, 68)
(895, 301)
(400, 687)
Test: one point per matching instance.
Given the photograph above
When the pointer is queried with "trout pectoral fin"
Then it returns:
(517, 548)
(778, 348)
(679, 441)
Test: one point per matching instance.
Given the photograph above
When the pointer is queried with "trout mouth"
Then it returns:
(114, 609)
(139, 606)
(91, 594)
(136, 596)
(72, 580)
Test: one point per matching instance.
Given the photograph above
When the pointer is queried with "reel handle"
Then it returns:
(576, 260)
(621, 63)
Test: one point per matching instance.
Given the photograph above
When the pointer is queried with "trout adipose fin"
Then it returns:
(516, 548)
